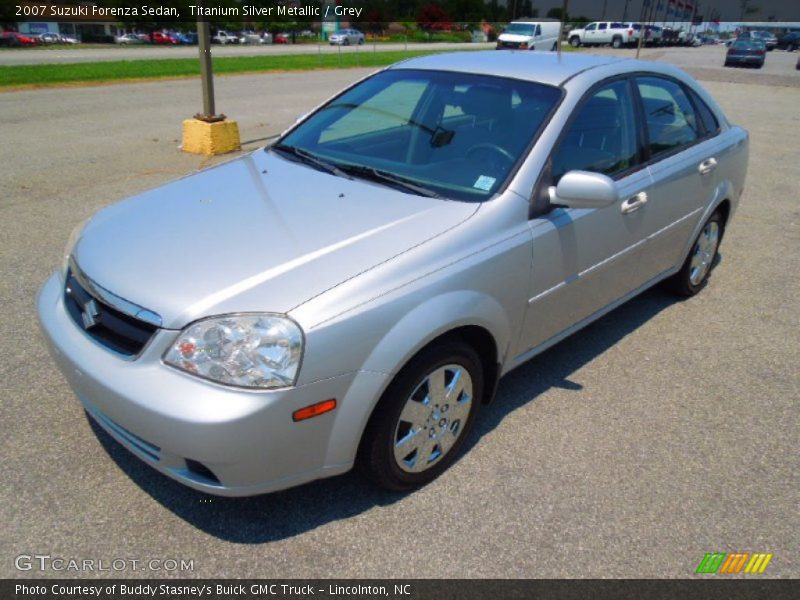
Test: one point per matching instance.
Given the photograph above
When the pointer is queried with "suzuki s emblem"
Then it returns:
(90, 313)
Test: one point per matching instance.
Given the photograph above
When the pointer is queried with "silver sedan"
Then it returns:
(345, 37)
(351, 294)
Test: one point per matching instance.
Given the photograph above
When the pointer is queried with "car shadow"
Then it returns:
(285, 514)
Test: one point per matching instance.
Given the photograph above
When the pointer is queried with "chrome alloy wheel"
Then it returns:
(433, 418)
(704, 252)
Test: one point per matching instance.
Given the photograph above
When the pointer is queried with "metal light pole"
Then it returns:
(206, 70)
(208, 133)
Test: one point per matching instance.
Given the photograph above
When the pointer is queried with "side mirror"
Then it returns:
(582, 189)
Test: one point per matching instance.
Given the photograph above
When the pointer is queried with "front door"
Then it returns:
(585, 259)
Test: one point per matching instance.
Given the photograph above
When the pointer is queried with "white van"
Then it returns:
(530, 34)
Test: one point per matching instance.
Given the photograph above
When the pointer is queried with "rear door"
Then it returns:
(682, 151)
(603, 34)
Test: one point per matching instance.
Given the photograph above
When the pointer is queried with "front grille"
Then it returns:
(110, 327)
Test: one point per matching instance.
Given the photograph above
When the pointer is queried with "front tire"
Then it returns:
(697, 267)
(575, 42)
(423, 418)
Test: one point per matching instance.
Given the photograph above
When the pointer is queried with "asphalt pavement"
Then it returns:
(665, 430)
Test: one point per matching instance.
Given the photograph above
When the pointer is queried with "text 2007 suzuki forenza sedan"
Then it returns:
(351, 294)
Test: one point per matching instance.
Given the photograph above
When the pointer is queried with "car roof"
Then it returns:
(542, 67)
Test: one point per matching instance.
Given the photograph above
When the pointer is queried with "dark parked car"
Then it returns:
(790, 41)
(12, 38)
(187, 38)
(746, 52)
(770, 41)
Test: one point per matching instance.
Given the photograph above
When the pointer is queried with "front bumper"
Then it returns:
(246, 440)
(745, 60)
(502, 45)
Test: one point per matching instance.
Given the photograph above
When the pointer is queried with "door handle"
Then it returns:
(634, 203)
(707, 166)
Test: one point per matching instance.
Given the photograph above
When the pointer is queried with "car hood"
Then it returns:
(514, 37)
(259, 233)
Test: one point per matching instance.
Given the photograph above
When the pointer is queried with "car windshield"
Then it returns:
(456, 135)
(748, 45)
(520, 29)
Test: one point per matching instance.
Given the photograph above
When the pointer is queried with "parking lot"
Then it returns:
(663, 431)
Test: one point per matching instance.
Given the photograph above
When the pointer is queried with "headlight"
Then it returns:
(254, 350)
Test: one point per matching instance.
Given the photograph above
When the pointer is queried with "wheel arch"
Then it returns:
(473, 317)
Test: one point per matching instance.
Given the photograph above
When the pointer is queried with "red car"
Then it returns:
(282, 38)
(162, 38)
(12, 38)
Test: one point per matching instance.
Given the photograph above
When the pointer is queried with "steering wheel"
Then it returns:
(498, 151)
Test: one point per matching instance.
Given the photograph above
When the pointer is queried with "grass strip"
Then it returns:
(98, 72)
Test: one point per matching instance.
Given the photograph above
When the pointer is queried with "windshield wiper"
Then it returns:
(439, 135)
(310, 159)
(374, 174)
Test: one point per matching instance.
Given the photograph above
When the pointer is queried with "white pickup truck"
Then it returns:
(223, 37)
(606, 32)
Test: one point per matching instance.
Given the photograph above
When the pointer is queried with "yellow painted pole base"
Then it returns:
(200, 137)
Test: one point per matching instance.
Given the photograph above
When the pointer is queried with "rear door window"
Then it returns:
(670, 119)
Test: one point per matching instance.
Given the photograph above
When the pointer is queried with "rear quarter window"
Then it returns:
(706, 116)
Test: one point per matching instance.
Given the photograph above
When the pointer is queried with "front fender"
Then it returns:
(432, 319)
(419, 327)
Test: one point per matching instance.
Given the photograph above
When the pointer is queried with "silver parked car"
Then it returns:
(345, 37)
(352, 294)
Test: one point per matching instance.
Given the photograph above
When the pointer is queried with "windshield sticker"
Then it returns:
(484, 182)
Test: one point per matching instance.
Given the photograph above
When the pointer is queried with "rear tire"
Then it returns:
(697, 267)
(616, 43)
(423, 417)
